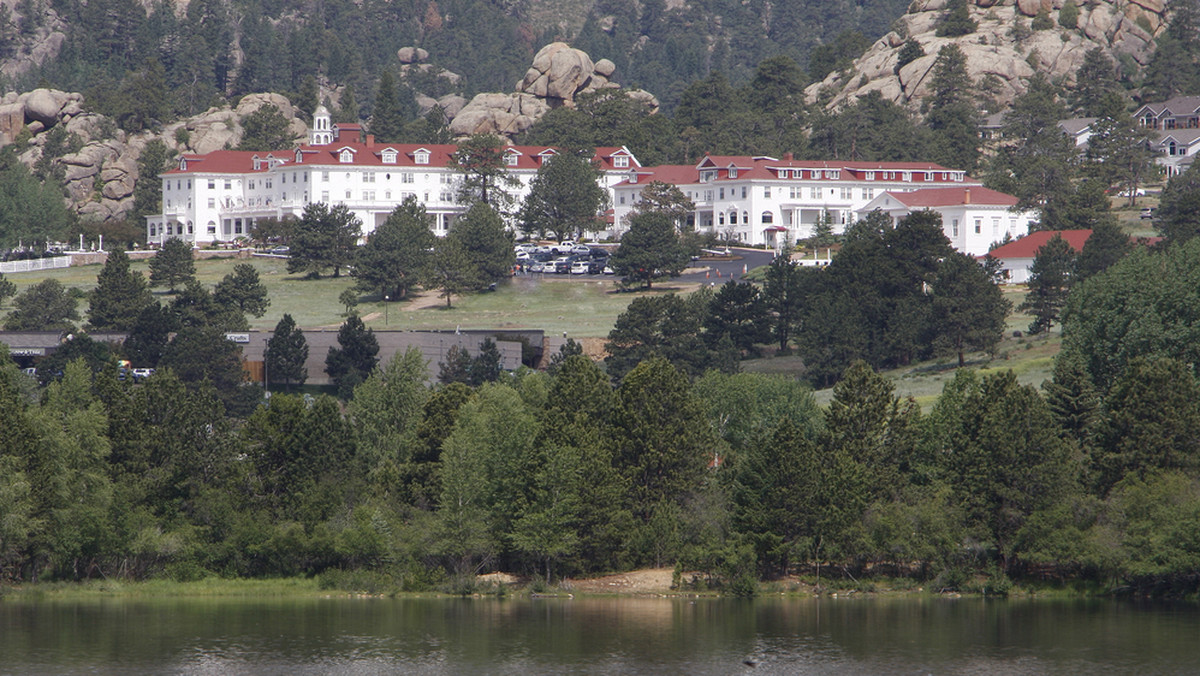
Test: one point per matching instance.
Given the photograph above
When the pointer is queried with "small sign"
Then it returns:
(27, 352)
(238, 337)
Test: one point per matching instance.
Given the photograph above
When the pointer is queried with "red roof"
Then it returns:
(926, 198)
(242, 162)
(1029, 245)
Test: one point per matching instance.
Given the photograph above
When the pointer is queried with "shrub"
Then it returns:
(1068, 16)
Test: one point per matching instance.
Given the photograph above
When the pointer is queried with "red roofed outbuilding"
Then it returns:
(1016, 258)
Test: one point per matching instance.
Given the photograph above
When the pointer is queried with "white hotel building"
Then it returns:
(218, 196)
(767, 201)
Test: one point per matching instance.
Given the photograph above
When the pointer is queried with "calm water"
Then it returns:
(605, 636)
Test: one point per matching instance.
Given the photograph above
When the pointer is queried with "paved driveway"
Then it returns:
(746, 259)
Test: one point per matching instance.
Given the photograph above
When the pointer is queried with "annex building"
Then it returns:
(218, 196)
(764, 201)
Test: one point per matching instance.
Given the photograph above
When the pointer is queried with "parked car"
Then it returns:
(142, 374)
(1148, 212)
(596, 267)
(579, 267)
(581, 249)
(598, 252)
(609, 271)
(527, 247)
(540, 266)
(562, 265)
(280, 251)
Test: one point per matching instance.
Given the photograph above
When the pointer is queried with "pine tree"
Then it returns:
(119, 297)
(956, 21)
(952, 115)
(486, 242)
(969, 309)
(387, 123)
(1107, 245)
(1050, 281)
(45, 306)
(242, 289)
(351, 362)
(172, 265)
(649, 250)
(396, 256)
(287, 354)
(564, 198)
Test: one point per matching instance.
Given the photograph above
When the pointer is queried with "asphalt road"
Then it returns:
(745, 260)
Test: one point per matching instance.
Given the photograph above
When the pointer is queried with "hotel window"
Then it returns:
(510, 160)
(251, 184)
(721, 218)
(346, 157)
(387, 194)
(929, 176)
(152, 231)
(347, 194)
(907, 178)
(212, 185)
(324, 176)
(733, 173)
(369, 177)
(767, 192)
(284, 197)
(189, 184)
(835, 174)
(768, 218)
(870, 176)
(955, 226)
(795, 192)
(814, 193)
(816, 173)
(733, 218)
(620, 161)
(406, 177)
(212, 203)
(369, 195)
(743, 192)
(622, 198)
(325, 196)
(228, 184)
(389, 157)
(868, 193)
(847, 193)
(708, 195)
(978, 225)
(421, 158)
(995, 227)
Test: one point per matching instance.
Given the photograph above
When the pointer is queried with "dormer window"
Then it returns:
(620, 161)
(707, 176)
(389, 157)
(907, 177)
(420, 157)
(732, 173)
(816, 173)
(346, 157)
(299, 157)
(510, 160)
(834, 173)
(797, 173)
(257, 163)
(182, 164)
(870, 176)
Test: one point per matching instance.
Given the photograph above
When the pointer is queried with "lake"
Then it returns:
(859, 635)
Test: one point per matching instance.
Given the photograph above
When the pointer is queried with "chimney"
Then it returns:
(787, 157)
(370, 140)
(967, 196)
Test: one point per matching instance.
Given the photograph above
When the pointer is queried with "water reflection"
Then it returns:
(598, 635)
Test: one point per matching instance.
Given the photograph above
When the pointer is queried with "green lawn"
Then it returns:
(581, 307)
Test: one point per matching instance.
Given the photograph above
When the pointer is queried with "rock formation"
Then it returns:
(100, 175)
(996, 52)
(557, 76)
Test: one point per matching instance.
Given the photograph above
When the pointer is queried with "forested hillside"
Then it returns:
(206, 47)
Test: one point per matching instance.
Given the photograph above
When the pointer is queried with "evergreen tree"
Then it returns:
(347, 110)
(1097, 91)
(1119, 154)
(649, 250)
(1107, 245)
(486, 243)
(119, 297)
(952, 116)
(1050, 279)
(266, 129)
(480, 159)
(45, 306)
(956, 21)
(1151, 422)
(396, 256)
(485, 367)
(172, 265)
(783, 294)
(969, 309)
(286, 354)
(664, 326)
(739, 312)
(242, 289)
(1043, 162)
(324, 237)
(148, 338)
(307, 97)
(1178, 216)
(154, 159)
(451, 270)
(1073, 400)
(387, 122)
(910, 51)
(1173, 69)
(565, 198)
(196, 307)
(8, 289)
(353, 360)
(456, 368)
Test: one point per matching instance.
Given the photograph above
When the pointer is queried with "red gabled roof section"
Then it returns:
(927, 198)
(1029, 245)
(220, 162)
(674, 174)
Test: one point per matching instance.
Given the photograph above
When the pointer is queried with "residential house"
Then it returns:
(1177, 126)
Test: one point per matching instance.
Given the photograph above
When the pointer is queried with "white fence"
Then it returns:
(35, 264)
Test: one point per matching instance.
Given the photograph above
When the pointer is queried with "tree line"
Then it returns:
(738, 477)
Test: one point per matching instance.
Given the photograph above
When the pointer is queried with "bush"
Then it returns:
(360, 581)
(1068, 16)
(1042, 21)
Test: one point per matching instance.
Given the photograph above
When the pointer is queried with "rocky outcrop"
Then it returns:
(556, 77)
(1003, 56)
(102, 170)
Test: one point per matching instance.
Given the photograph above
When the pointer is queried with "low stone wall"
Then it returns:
(99, 257)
